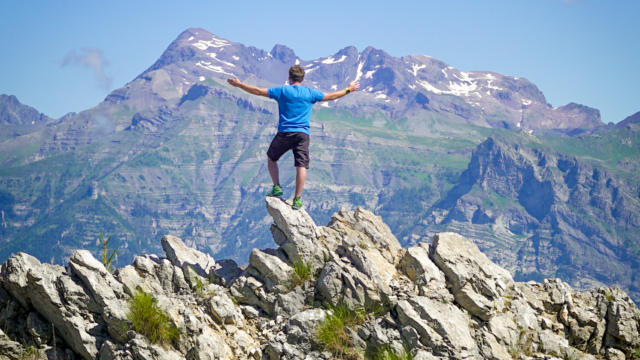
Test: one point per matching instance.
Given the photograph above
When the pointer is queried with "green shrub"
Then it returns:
(636, 354)
(108, 253)
(332, 331)
(301, 273)
(386, 353)
(30, 353)
(150, 320)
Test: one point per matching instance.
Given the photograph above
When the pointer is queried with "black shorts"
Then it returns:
(285, 141)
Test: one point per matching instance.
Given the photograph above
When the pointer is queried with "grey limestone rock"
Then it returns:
(180, 255)
(444, 301)
(416, 264)
(295, 232)
(269, 268)
(223, 309)
(105, 289)
(47, 289)
(476, 282)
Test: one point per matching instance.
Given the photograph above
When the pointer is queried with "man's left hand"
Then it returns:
(234, 82)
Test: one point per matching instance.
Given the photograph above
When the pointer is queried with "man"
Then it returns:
(294, 106)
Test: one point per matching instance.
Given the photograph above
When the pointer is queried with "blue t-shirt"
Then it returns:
(294, 104)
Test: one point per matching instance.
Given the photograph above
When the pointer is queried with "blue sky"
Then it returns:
(62, 56)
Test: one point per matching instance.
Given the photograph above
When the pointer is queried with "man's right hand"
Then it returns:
(354, 85)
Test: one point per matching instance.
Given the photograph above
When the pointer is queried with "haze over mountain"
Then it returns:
(544, 191)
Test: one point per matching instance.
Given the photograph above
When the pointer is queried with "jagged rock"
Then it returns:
(338, 283)
(153, 275)
(476, 282)
(623, 322)
(224, 310)
(361, 228)
(445, 301)
(614, 354)
(424, 355)
(416, 264)
(295, 232)
(56, 297)
(491, 348)
(290, 303)
(443, 327)
(551, 343)
(210, 346)
(308, 320)
(10, 349)
(269, 268)
(142, 350)
(250, 291)
(226, 271)
(105, 289)
(372, 264)
(180, 255)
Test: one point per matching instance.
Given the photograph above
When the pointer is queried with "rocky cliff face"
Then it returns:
(443, 300)
(551, 215)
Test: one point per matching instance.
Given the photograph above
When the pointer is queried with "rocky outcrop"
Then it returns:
(544, 214)
(443, 300)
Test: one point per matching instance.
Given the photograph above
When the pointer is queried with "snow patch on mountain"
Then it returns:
(331, 60)
(427, 86)
(462, 88)
(214, 56)
(207, 65)
(415, 68)
(359, 71)
(214, 42)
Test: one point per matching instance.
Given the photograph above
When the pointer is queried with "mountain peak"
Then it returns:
(283, 53)
(631, 119)
(13, 112)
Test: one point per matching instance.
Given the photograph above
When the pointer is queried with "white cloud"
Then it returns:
(92, 59)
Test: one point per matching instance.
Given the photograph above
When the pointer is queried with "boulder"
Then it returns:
(223, 309)
(47, 289)
(416, 264)
(623, 322)
(476, 282)
(441, 326)
(295, 232)
(180, 255)
(105, 289)
(361, 228)
(269, 268)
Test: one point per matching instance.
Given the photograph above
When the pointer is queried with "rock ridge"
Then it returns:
(438, 300)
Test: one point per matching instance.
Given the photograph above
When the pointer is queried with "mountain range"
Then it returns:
(545, 191)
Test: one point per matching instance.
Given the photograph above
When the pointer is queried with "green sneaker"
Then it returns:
(297, 204)
(275, 191)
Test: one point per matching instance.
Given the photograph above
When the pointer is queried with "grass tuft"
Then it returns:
(150, 320)
(30, 353)
(332, 332)
(301, 273)
(385, 352)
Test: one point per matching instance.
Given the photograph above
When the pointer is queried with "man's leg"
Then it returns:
(301, 176)
(273, 171)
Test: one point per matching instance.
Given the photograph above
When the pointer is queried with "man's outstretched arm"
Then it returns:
(248, 88)
(353, 86)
